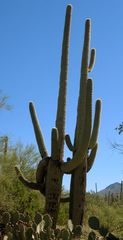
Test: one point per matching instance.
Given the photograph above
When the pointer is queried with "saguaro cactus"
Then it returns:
(85, 137)
(49, 174)
(51, 168)
(121, 190)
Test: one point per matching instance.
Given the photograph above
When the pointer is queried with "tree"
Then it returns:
(3, 102)
(119, 129)
(4, 138)
(115, 145)
(13, 195)
(4, 145)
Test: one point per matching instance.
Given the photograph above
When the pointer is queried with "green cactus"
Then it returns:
(51, 168)
(57, 233)
(40, 228)
(48, 221)
(19, 230)
(103, 231)
(38, 218)
(77, 232)
(95, 224)
(85, 140)
(65, 234)
(49, 174)
(29, 233)
(92, 236)
(26, 218)
(121, 190)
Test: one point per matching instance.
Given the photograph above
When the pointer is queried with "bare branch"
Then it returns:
(3, 102)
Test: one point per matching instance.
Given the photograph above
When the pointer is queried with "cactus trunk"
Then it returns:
(77, 197)
(53, 190)
(54, 173)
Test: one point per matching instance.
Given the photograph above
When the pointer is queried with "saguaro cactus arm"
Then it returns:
(27, 183)
(61, 108)
(82, 148)
(92, 59)
(69, 143)
(96, 124)
(42, 170)
(54, 144)
(37, 130)
(80, 123)
(91, 157)
(54, 175)
(93, 145)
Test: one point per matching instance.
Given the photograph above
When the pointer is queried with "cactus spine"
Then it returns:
(51, 168)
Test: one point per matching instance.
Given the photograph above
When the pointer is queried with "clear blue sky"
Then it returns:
(30, 50)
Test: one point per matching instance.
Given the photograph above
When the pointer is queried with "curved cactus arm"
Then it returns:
(41, 170)
(96, 124)
(37, 130)
(81, 152)
(54, 142)
(92, 59)
(69, 143)
(27, 183)
(90, 159)
(61, 108)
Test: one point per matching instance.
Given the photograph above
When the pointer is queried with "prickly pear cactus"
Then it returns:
(104, 232)
(39, 229)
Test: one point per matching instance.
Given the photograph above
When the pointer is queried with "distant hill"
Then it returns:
(113, 188)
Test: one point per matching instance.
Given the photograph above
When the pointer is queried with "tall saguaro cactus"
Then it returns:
(84, 133)
(49, 174)
(51, 168)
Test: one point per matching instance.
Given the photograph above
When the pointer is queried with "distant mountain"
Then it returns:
(113, 188)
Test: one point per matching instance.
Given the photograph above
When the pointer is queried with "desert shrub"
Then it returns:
(13, 195)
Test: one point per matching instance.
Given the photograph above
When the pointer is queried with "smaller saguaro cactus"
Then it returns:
(4, 143)
(85, 138)
(121, 190)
